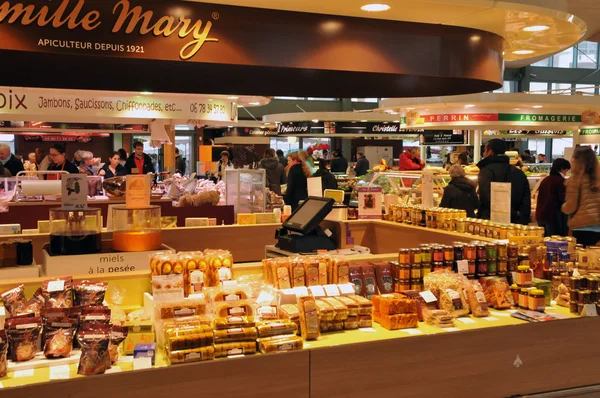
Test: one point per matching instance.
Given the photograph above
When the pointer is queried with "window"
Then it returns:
(563, 59)
(286, 144)
(559, 145)
(372, 100)
(544, 62)
(10, 140)
(538, 87)
(185, 145)
(507, 87)
(562, 88)
(587, 55)
(586, 89)
(536, 146)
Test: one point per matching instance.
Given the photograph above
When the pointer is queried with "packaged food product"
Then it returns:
(326, 326)
(291, 312)
(23, 334)
(341, 271)
(59, 335)
(356, 278)
(385, 280)
(393, 305)
(337, 326)
(186, 336)
(117, 335)
(58, 293)
(239, 308)
(178, 309)
(14, 299)
(326, 311)
(267, 265)
(266, 312)
(352, 322)
(309, 318)
(399, 321)
(195, 276)
(3, 354)
(502, 293)
(297, 272)
(365, 321)
(89, 293)
(192, 355)
(229, 295)
(277, 344)
(276, 328)
(350, 304)
(219, 263)
(365, 306)
(234, 322)
(282, 273)
(235, 334)
(97, 314)
(439, 318)
(34, 305)
(324, 270)
(376, 316)
(311, 270)
(368, 272)
(476, 299)
(237, 348)
(341, 311)
(454, 302)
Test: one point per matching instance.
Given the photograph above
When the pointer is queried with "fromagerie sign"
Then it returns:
(109, 27)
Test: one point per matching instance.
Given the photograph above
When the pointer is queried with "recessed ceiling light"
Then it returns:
(517, 109)
(230, 127)
(315, 120)
(410, 109)
(475, 38)
(536, 28)
(537, 106)
(396, 121)
(233, 97)
(522, 52)
(363, 121)
(210, 100)
(375, 7)
(146, 93)
(254, 103)
(469, 106)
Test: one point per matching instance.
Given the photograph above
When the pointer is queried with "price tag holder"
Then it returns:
(331, 290)
(490, 318)
(463, 266)
(368, 330)
(452, 329)
(413, 332)
(317, 291)
(466, 321)
(23, 373)
(428, 296)
(142, 363)
(59, 372)
(138, 191)
(300, 291)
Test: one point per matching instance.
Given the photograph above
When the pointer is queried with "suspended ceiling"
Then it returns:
(569, 21)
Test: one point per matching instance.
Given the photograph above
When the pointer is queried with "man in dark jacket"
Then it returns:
(139, 162)
(282, 159)
(339, 164)
(179, 162)
(495, 167)
(10, 162)
(328, 180)
(274, 170)
(362, 164)
(460, 192)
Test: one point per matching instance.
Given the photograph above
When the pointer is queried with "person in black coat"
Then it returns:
(58, 154)
(362, 164)
(139, 162)
(496, 167)
(282, 159)
(328, 180)
(339, 164)
(460, 192)
(113, 167)
(297, 185)
(274, 170)
(11, 163)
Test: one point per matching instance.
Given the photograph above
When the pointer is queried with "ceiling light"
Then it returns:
(522, 52)
(315, 120)
(469, 106)
(254, 103)
(229, 127)
(375, 7)
(410, 109)
(517, 109)
(396, 121)
(537, 106)
(475, 38)
(536, 28)
(363, 121)
(233, 97)
(146, 93)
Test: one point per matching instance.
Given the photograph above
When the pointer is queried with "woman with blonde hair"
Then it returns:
(582, 203)
(297, 185)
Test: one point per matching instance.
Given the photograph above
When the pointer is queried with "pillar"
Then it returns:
(423, 150)
(477, 146)
(169, 150)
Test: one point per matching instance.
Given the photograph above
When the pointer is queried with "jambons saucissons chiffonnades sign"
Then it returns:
(107, 27)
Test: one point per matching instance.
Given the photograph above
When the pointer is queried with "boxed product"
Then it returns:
(145, 351)
(399, 321)
(278, 344)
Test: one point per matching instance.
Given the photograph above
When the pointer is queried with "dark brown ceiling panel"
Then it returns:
(178, 46)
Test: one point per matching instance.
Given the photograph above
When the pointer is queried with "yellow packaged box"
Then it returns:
(138, 333)
(265, 218)
(246, 219)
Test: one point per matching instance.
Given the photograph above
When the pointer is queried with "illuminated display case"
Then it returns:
(246, 190)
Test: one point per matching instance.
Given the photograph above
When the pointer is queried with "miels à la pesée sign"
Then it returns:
(123, 17)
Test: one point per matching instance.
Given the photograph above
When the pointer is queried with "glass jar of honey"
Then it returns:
(438, 254)
(404, 256)
(502, 250)
(415, 256)
(513, 250)
(404, 271)
(448, 253)
(136, 230)
(461, 226)
(481, 251)
(524, 276)
(524, 299)
(470, 252)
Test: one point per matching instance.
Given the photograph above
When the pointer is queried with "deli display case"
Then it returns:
(246, 190)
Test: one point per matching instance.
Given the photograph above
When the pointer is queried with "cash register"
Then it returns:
(302, 233)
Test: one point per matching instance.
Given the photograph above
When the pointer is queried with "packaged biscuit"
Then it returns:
(341, 311)
(14, 300)
(118, 334)
(309, 318)
(238, 308)
(276, 328)
(341, 271)
(370, 287)
(324, 270)
(282, 274)
(503, 295)
(235, 334)
(179, 309)
(182, 337)
(58, 293)
(237, 348)
(279, 344)
(297, 272)
(23, 334)
(365, 306)
(220, 263)
(191, 355)
(229, 322)
(166, 264)
(97, 314)
(356, 278)
(365, 321)
(439, 318)
(326, 326)
(35, 304)
(399, 321)
(311, 270)
(350, 304)
(337, 326)
(59, 335)
(195, 276)
(393, 305)
(291, 312)
(267, 312)
(385, 279)
(89, 293)
(94, 339)
(476, 299)
(326, 311)
(267, 265)
(351, 323)
(454, 302)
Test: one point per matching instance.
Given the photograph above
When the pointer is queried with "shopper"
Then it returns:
(58, 154)
(551, 197)
(526, 157)
(223, 164)
(410, 160)
(42, 161)
(462, 159)
(87, 163)
(123, 156)
(542, 158)
(582, 203)
(282, 159)
(297, 185)
(179, 162)
(309, 160)
(77, 158)
(139, 162)
(328, 180)
(113, 167)
(339, 164)
(496, 167)
(461, 192)
(274, 170)
(362, 164)
(10, 161)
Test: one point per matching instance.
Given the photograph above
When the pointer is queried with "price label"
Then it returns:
(463, 266)
(452, 329)
(332, 290)
(490, 318)
(413, 332)
(428, 296)
(59, 372)
(23, 373)
(317, 291)
(368, 330)
(466, 321)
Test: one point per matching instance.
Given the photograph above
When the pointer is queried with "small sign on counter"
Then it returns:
(74, 192)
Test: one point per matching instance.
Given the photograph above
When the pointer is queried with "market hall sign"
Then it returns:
(367, 128)
(440, 137)
(534, 132)
(537, 118)
(589, 132)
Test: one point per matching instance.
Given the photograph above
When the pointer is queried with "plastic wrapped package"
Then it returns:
(281, 273)
(341, 311)
(219, 263)
(235, 334)
(356, 278)
(311, 270)
(3, 354)
(89, 293)
(191, 355)
(291, 312)
(439, 318)
(96, 314)
(341, 271)
(297, 272)
(326, 311)
(337, 326)
(23, 334)
(58, 293)
(58, 337)
(394, 305)
(385, 279)
(267, 265)
(326, 326)
(309, 318)
(370, 287)
(195, 277)
(278, 344)
(94, 339)
(324, 270)
(365, 306)
(118, 334)
(454, 302)
(183, 337)
(352, 322)
(238, 308)
(399, 321)
(503, 296)
(439, 281)
(477, 300)
(230, 322)
(179, 309)
(237, 348)
(276, 328)
(352, 305)
(230, 295)
(165, 264)
(35, 304)
(365, 321)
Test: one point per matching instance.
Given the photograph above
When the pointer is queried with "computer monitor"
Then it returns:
(309, 215)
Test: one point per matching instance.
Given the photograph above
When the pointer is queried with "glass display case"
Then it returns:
(407, 185)
(246, 190)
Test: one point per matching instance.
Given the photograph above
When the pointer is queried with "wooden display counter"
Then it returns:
(28, 213)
